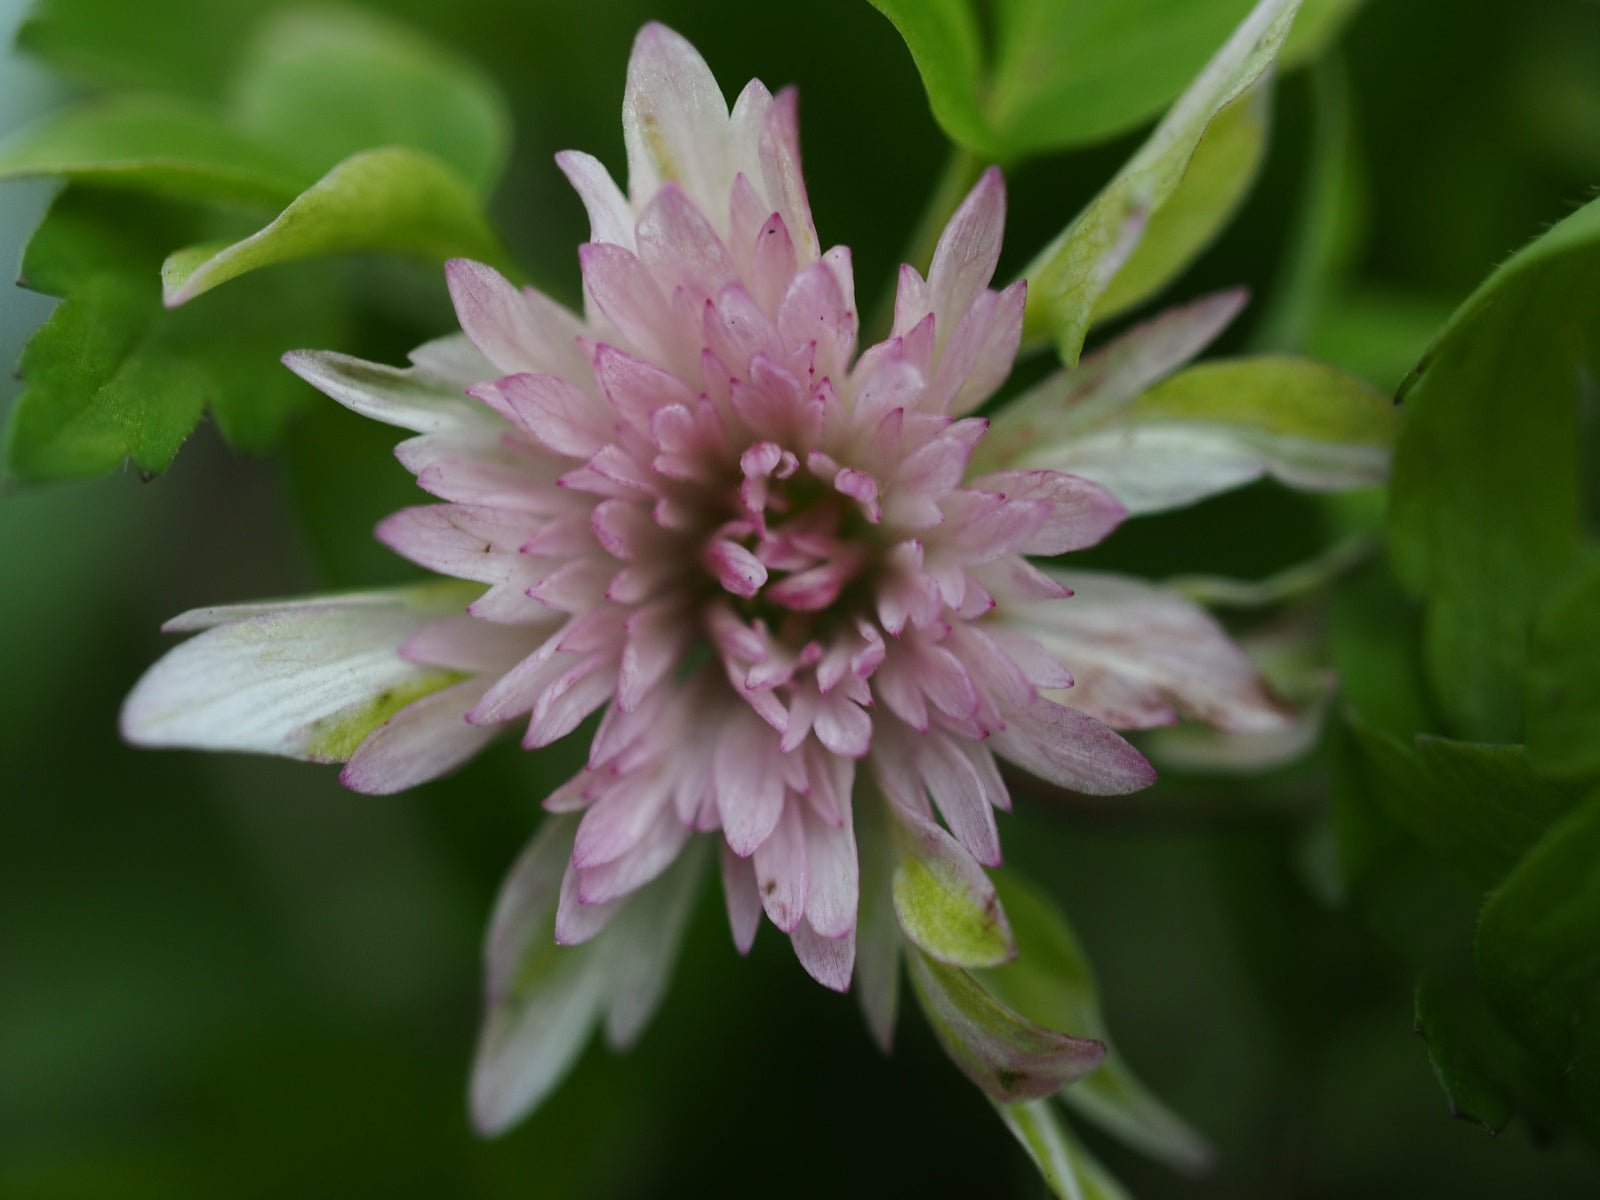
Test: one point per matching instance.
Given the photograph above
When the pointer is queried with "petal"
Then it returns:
(1080, 513)
(829, 961)
(424, 740)
(515, 330)
(968, 250)
(1143, 655)
(674, 119)
(550, 410)
(408, 398)
(743, 898)
(642, 946)
(610, 215)
(306, 681)
(833, 880)
(1071, 750)
(780, 863)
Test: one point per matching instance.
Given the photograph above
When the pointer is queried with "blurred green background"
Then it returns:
(224, 977)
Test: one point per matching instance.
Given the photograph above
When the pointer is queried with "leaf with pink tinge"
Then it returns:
(1010, 1058)
(943, 900)
(1052, 983)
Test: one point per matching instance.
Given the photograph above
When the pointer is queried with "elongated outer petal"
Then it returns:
(1028, 428)
(1071, 750)
(544, 999)
(307, 681)
(610, 215)
(424, 740)
(408, 398)
(1143, 655)
(968, 249)
(642, 945)
(674, 120)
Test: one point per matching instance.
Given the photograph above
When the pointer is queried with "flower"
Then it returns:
(764, 560)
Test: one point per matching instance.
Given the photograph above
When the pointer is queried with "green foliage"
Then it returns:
(112, 375)
(1477, 807)
(407, 141)
(154, 144)
(1068, 280)
(1563, 679)
(944, 902)
(1009, 1057)
(1052, 983)
(1065, 1166)
(395, 199)
(170, 47)
(1538, 954)
(327, 83)
(1458, 1030)
(1065, 75)
(1485, 515)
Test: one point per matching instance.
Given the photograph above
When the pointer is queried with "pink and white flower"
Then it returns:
(764, 560)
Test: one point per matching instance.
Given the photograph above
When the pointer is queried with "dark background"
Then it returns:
(228, 977)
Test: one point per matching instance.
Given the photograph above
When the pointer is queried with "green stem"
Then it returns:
(961, 171)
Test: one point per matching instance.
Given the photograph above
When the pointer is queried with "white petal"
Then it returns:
(674, 121)
(543, 999)
(1143, 655)
(642, 945)
(305, 680)
(610, 215)
(406, 397)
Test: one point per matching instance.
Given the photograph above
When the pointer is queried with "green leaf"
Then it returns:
(1062, 74)
(1485, 506)
(1204, 430)
(1563, 683)
(394, 199)
(1067, 279)
(112, 376)
(943, 900)
(170, 47)
(152, 144)
(326, 83)
(1538, 955)
(1217, 178)
(1066, 1167)
(1478, 807)
(1010, 1058)
(1326, 229)
(1051, 983)
(1458, 1029)
(947, 46)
